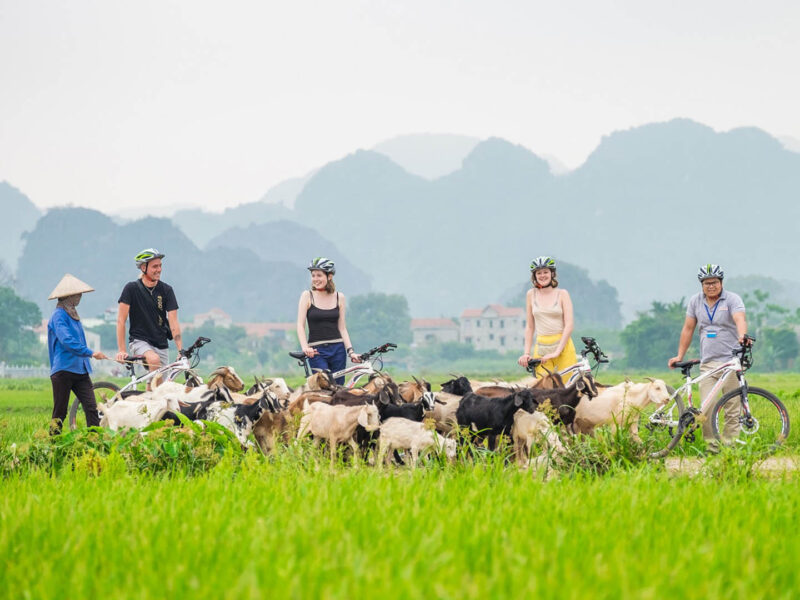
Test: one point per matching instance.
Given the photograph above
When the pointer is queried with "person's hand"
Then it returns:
(355, 358)
(523, 360)
(310, 352)
(672, 361)
(99, 356)
(746, 341)
(551, 356)
(121, 356)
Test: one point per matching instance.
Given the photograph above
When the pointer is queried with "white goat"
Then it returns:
(444, 412)
(135, 414)
(619, 406)
(530, 428)
(337, 423)
(403, 434)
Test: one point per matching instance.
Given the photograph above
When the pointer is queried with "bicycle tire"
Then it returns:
(100, 395)
(767, 415)
(664, 437)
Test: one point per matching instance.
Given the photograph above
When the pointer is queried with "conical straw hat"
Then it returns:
(68, 286)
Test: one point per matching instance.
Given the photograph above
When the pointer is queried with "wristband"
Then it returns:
(349, 350)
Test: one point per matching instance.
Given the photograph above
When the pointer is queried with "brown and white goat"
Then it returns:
(337, 424)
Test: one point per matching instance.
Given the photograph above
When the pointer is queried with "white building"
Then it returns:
(425, 331)
(494, 327)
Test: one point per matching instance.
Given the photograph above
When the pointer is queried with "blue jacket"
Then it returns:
(66, 343)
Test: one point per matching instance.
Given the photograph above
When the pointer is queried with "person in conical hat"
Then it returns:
(69, 355)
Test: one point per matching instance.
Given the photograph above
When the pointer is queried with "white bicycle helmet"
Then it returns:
(323, 264)
(146, 255)
(710, 271)
(543, 262)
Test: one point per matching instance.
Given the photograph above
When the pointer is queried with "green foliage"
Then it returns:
(375, 318)
(772, 325)
(18, 344)
(160, 448)
(652, 338)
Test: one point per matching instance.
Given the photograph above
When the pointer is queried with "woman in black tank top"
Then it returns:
(323, 309)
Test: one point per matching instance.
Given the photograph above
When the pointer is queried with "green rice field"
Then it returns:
(190, 519)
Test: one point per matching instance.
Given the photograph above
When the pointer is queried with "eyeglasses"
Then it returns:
(711, 283)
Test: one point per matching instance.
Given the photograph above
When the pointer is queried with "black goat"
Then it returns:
(493, 416)
(564, 400)
(458, 386)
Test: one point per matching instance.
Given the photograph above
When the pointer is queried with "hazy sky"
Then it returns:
(111, 104)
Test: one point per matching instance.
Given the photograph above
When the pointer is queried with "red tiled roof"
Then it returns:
(433, 324)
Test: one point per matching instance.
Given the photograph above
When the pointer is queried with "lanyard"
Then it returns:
(712, 314)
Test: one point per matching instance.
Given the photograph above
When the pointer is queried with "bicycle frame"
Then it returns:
(365, 368)
(732, 366)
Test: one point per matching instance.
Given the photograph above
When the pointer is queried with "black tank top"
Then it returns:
(323, 323)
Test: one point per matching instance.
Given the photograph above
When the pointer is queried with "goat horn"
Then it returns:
(650, 379)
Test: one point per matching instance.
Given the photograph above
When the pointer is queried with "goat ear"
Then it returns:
(517, 400)
(363, 420)
(580, 384)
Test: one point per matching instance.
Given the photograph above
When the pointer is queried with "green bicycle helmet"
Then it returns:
(710, 271)
(543, 262)
(323, 264)
(146, 255)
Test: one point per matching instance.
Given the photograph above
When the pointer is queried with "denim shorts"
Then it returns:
(331, 357)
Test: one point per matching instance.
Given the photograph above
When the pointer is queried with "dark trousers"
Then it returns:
(65, 382)
(331, 357)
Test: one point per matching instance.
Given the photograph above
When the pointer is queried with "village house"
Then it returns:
(426, 331)
(494, 327)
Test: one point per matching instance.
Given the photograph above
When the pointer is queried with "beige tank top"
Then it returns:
(549, 320)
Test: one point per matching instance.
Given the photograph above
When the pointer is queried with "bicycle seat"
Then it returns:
(132, 358)
(297, 355)
(534, 362)
(686, 366)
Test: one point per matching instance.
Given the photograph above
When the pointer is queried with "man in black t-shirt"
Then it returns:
(153, 312)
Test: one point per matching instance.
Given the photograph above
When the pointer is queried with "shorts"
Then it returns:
(140, 347)
(330, 357)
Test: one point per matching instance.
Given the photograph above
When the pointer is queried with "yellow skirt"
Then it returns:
(544, 345)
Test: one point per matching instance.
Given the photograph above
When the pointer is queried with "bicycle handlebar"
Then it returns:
(593, 349)
(387, 347)
(198, 343)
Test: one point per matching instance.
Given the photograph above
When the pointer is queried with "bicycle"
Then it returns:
(747, 410)
(366, 368)
(107, 391)
(582, 366)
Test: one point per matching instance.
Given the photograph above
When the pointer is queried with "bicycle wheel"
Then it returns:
(103, 390)
(658, 427)
(761, 428)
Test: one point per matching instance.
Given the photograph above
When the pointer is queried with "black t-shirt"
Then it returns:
(148, 312)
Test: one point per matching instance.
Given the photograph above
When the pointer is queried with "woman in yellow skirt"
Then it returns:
(549, 316)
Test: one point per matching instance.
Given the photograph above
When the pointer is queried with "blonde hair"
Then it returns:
(553, 280)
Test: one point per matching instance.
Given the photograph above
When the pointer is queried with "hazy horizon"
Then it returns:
(111, 106)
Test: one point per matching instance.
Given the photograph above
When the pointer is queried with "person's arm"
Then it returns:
(569, 325)
(122, 317)
(740, 321)
(302, 311)
(529, 325)
(685, 340)
(67, 337)
(343, 331)
(175, 328)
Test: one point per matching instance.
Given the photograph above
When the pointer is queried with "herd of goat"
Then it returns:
(386, 416)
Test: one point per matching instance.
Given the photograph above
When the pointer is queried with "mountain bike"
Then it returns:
(358, 371)
(755, 418)
(109, 392)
